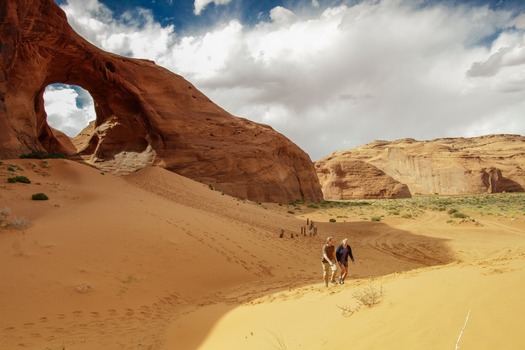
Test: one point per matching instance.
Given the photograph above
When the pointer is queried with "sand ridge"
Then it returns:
(157, 261)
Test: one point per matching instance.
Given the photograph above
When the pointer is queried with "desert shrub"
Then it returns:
(406, 216)
(348, 310)
(313, 206)
(42, 155)
(291, 212)
(375, 218)
(369, 295)
(39, 197)
(459, 215)
(452, 211)
(332, 220)
(18, 223)
(22, 179)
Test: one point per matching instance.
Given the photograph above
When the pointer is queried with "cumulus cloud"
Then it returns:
(200, 5)
(68, 109)
(341, 76)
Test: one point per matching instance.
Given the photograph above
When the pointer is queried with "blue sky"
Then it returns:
(329, 75)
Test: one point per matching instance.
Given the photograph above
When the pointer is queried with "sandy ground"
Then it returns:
(156, 261)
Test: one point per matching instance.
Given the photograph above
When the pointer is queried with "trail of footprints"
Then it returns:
(143, 325)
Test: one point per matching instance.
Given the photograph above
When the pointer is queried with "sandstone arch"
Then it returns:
(145, 114)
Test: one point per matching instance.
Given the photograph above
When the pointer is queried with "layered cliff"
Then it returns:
(448, 166)
(145, 114)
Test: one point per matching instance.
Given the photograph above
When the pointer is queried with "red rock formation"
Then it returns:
(145, 113)
(344, 179)
(451, 166)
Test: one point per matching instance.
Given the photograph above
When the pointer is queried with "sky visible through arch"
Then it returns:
(329, 75)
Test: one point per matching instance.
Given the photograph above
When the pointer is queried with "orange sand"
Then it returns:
(157, 261)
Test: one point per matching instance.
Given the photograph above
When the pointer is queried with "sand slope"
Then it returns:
(157, 261)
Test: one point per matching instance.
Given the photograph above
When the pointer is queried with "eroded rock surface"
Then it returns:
(145, 114)
(448, 166)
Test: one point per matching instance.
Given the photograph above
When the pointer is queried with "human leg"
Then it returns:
(334, 271)
(344, 272)
(326, 269)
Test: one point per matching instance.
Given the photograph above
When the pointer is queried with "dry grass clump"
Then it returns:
(367, 296)
(16, 223)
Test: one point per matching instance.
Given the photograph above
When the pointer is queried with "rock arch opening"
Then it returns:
(69, 108)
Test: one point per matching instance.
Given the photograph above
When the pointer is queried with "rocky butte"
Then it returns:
(447, 166)
(146, 115)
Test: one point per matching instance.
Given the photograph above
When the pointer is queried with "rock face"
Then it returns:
(450, 166)
(145, 114)
(343, 179)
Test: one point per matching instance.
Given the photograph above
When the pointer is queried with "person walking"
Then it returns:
(342, 253)
(328, 261)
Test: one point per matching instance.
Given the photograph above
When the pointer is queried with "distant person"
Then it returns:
(342, 253)
(329, 266)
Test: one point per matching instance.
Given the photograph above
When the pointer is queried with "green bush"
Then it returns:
(375, 218)
(43, 155)
(332, 220)
(460, 215)
(39, 197)
(22, 179)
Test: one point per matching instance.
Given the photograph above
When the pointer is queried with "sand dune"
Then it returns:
(157, 261)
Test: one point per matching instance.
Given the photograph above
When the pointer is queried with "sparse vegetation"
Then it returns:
(510, 205)
(42, 155)
(39, 197)
(459, 215)
(369, 295)
(332, 220)
(5, 212)
(348, 310)
(17, 223)
(19, 178)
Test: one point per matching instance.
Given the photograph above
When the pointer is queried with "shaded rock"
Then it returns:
(344, 179)
(146, 115)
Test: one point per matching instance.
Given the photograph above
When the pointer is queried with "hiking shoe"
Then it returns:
(334, 282)
(340, 280)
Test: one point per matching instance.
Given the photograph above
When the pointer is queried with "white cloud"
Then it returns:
(282, 15)
(344, 75)
(200, 5)
(68, 109)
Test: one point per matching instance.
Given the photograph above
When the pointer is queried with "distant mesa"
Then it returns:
(447, 166)
(146, 115)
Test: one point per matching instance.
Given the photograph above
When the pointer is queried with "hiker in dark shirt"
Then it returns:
(342, 253)
(329, 266)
